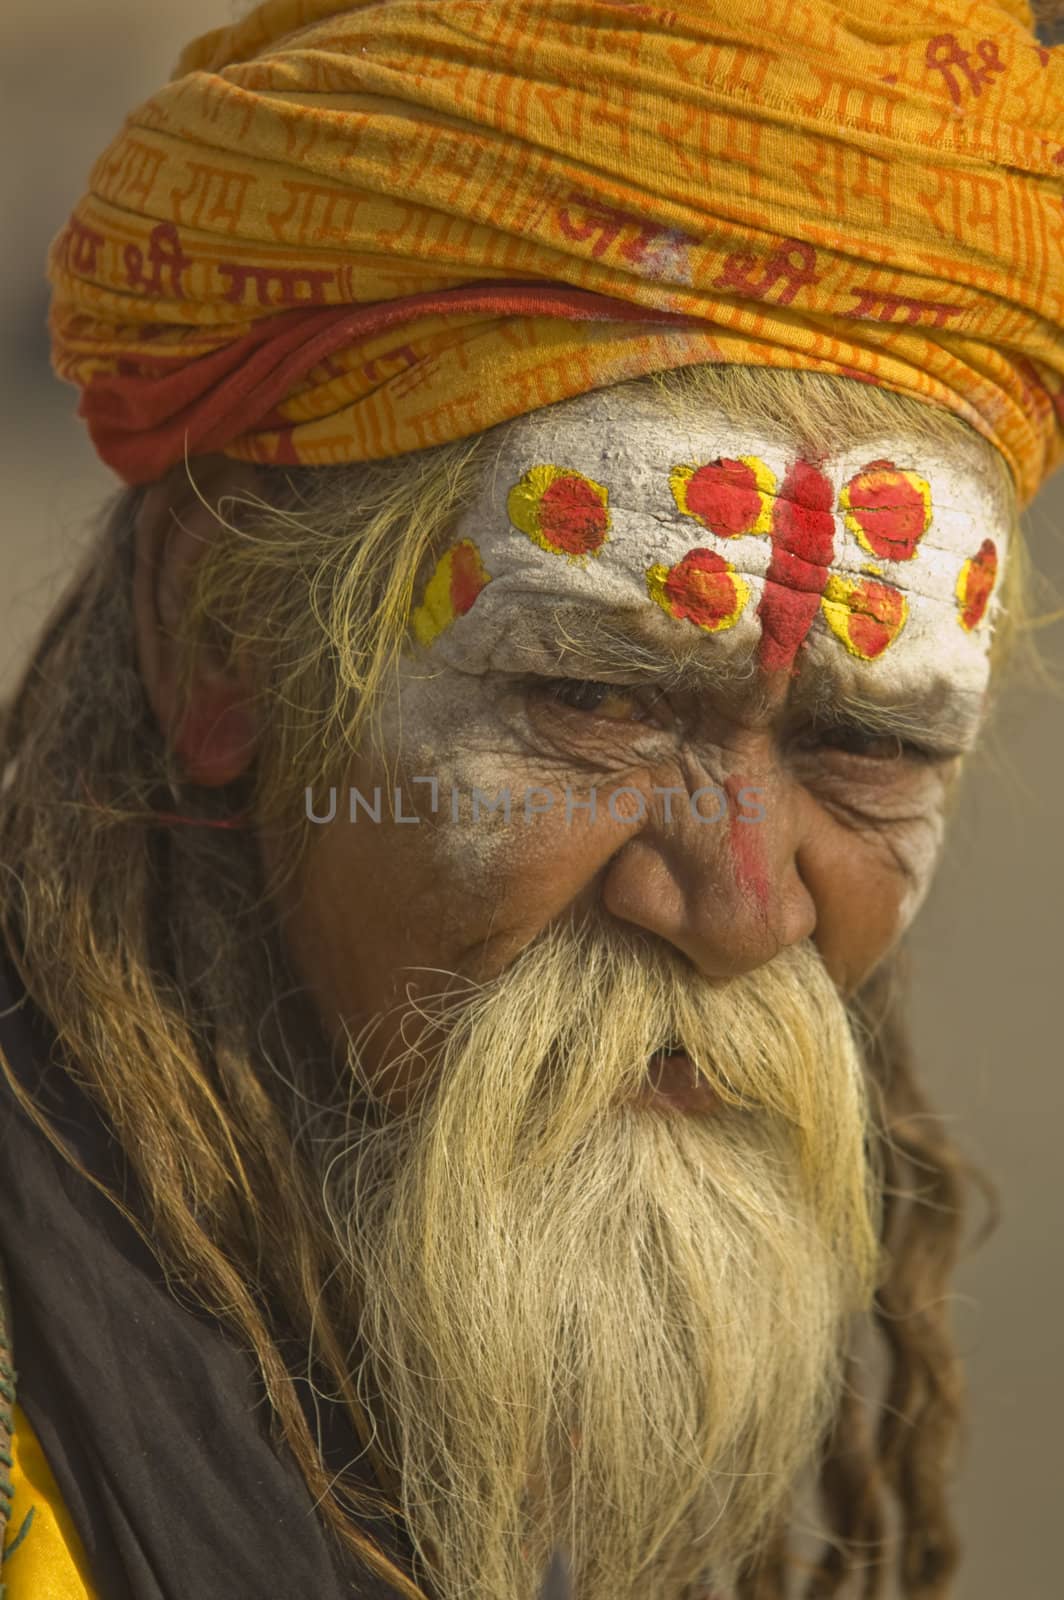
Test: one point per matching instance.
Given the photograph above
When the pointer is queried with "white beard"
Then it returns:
(602, 1328)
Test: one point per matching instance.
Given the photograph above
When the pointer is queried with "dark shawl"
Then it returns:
(152, 1419)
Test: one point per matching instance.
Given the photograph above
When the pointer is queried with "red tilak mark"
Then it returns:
(724, 496)
(744, 838)
(803, 543)
(572, 516)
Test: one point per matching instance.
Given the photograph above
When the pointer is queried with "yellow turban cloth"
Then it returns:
(344, 232)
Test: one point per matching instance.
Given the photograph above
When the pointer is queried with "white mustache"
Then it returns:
(557, 1041)
(520, 1213)
(613, 970)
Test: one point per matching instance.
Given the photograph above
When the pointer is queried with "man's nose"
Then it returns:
(719, 879)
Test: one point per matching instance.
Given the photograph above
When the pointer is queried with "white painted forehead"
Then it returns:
(601, 419)
(892, 547)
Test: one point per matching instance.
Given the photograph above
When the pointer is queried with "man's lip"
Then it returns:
(672, 1080)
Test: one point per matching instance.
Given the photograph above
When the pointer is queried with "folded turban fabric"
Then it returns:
(343, 232)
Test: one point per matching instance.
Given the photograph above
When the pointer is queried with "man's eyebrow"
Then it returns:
(621, 642)
(626, 642)
(935, 709)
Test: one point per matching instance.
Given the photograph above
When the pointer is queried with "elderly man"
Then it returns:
(461, 825)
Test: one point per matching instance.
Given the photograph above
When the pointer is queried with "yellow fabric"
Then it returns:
(838, 185)
(44, 1558)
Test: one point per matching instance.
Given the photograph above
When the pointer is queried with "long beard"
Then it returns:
(597, 1326)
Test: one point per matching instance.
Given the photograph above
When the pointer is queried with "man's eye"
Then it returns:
(611, 700)
(852, 739)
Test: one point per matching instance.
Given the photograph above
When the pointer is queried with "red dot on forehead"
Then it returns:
(572, 516)
(467, 576)
(724, 495)
(888, 509)
(976, 583)
(867, 616)
(878, 611)
(701, 589)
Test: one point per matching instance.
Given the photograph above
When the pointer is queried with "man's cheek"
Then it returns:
(916, 847)
(869, 876)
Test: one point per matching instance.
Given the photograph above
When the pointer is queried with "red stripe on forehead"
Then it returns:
(803, 544)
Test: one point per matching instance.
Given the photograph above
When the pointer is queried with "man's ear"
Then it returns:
(214, 734)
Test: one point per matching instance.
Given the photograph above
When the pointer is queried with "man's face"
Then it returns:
(724, 689)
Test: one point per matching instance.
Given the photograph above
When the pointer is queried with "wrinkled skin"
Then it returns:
(849, 815)
(584, 1320)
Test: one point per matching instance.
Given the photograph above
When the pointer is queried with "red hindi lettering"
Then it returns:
(291, 286)
(792, 264)
(128, 176)
(315, 213)
(875, 306)
(600, 219)
(166, 258)
(402, 355)
(214, 197)
(653, 247)
(946, 54)
(80, 247)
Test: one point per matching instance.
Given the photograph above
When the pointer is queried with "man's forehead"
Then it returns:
(884, 555)
(626, 431)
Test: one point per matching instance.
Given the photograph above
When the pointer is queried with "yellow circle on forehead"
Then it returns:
(975, 585)
(703, 588)
(561, 511)
(887, 509)
(865, 615)
(729, 497)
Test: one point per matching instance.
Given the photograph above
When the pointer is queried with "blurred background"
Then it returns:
(988, 945)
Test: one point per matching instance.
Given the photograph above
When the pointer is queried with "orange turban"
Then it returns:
(349, 231)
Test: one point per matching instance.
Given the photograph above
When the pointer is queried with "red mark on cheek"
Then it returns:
(744, 839)
(456, 581)
(803, 543)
